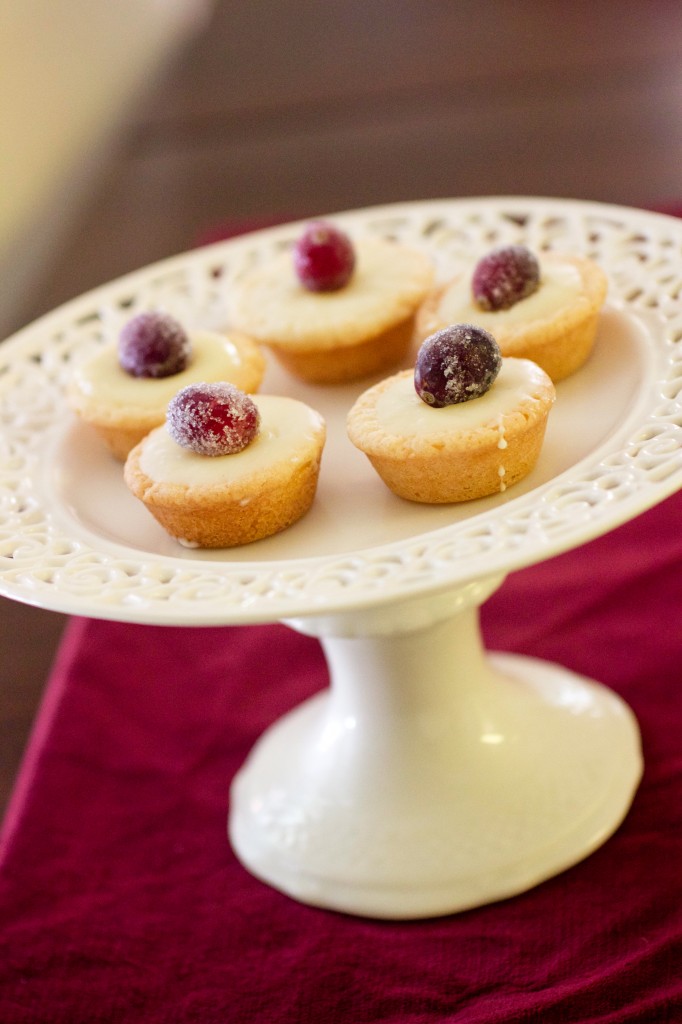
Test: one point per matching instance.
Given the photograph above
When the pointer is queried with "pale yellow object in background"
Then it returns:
(70, 71)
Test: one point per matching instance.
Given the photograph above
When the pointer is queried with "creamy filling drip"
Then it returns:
(402, 413)
(560, 285)
(214, 357)
(288, 429)
(387, 282)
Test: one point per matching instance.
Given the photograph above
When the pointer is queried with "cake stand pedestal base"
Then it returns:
(432, 776)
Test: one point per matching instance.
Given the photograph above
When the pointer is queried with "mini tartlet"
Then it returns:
(219, 501)
(555, 326)
(332, 336)
(123, 408)
(460, 452)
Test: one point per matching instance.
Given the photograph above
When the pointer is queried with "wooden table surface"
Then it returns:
(295, 108)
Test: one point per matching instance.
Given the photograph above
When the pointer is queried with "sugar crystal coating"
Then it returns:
(212, 419)
(324, 258)
(456, 364)
(505, 276)
(153, 345)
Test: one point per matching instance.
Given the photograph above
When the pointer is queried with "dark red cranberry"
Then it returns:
(324, 258)
(456, 364)
(153, 345)
(212, 419)
(505, 276)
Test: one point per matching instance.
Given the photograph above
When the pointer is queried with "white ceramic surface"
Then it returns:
(431, 777)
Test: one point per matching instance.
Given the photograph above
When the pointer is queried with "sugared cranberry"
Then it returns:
(153, 345)
(505, 276)
(456, 364)
(324, 258)
(212, 419)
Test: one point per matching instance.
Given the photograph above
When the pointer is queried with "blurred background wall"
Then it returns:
(71, 74)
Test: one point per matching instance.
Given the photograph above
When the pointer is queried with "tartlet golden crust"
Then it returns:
(560, 342)
(450, 465)
(123, 421)
(227, 513)
(339, 336)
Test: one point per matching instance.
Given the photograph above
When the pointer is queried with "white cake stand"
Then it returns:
(431, 776)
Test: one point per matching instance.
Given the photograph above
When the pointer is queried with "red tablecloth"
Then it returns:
(121, 900)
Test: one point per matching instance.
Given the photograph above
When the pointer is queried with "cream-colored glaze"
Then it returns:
(560, 285)
(214, 357)
(388, 282)
(287, 430)
(401, 412)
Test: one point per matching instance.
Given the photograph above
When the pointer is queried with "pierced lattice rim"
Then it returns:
(53, 565)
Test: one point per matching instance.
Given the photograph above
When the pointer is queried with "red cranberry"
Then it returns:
(456, 364)
(505, 276)
(324, 258)
(153, 345)
(212, 419)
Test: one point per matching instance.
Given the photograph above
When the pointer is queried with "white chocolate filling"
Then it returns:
(215, 357)
(388, 282)
(289, 429)
(560, 285)
(402, 413)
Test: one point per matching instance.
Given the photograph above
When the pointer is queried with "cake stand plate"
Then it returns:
(432, 776)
